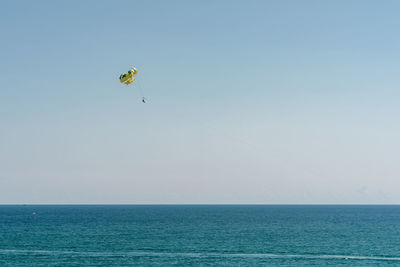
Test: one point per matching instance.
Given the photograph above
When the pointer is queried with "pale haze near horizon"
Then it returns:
(268, 102)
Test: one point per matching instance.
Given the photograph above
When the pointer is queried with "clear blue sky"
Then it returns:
(249, 102)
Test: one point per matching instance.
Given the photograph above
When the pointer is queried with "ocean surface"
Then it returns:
(199, 235)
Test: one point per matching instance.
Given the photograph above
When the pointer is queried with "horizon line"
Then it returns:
(200, 204)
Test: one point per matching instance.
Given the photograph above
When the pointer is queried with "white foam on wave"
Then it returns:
(195, 255)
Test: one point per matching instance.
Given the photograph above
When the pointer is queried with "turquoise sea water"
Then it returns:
(200, 235)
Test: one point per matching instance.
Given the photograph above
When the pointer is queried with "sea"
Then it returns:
(199, 235)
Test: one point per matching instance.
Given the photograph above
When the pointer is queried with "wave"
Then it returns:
(194, 255)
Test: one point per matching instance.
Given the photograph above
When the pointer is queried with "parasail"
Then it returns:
(128, 78)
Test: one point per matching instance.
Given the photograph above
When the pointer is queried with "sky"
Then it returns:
(249, 102)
